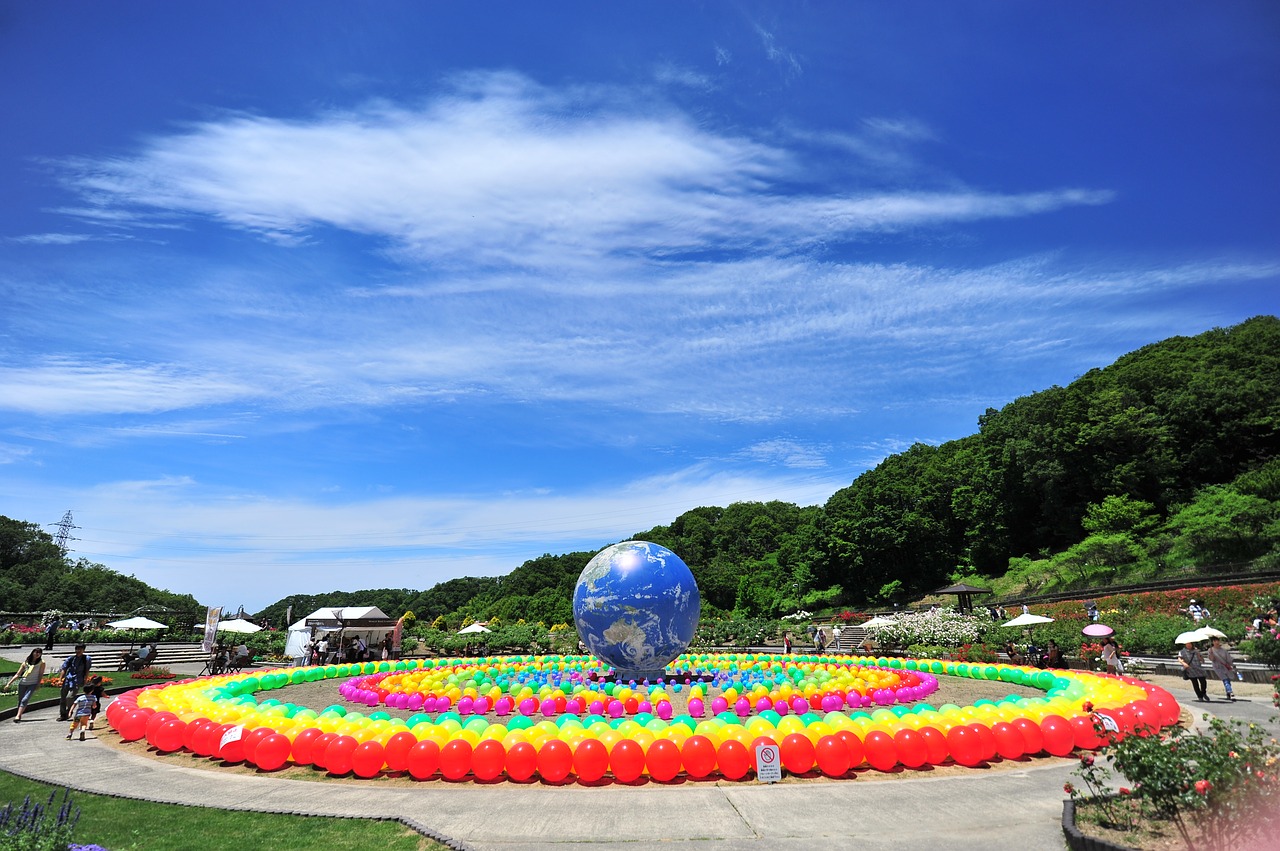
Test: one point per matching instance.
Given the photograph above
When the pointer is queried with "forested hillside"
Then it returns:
(1167, 459)
(36, 576)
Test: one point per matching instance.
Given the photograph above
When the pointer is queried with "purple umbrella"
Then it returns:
(1097, 629)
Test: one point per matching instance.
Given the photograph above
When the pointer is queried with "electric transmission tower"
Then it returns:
(63, 536)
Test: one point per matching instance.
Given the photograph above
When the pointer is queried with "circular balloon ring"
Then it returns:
(557, 717)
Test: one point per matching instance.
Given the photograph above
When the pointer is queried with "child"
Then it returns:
(97, 692)
(81, 711)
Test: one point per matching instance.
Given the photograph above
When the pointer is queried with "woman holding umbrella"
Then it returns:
(1192, 663)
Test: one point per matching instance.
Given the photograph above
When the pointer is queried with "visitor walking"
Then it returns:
(1111, 656)
(28, 679)
(51, 632)
(1223, 668)
(1192, 663)
(75, 673)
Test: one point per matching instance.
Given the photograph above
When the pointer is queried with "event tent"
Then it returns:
(368, 622)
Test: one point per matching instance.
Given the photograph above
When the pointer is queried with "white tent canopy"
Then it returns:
(1028, 619)
(137, 622)
(238, 625)
(368, 622)
(878, 620)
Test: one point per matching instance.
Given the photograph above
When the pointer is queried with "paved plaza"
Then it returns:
(1007, 807)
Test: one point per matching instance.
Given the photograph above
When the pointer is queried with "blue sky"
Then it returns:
(303, 297)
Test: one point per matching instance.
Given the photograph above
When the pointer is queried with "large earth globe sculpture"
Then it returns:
(636, 606)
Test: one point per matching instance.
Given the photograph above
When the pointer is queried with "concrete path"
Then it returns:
(1013, 808)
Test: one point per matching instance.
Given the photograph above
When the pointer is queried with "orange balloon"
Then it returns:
(626, 761)
(663, 760)
(423, 759)
(522, 761)
(699, 756)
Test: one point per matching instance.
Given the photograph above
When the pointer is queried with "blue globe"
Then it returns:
(636, 606)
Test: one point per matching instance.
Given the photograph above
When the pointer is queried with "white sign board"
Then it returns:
(768, 764)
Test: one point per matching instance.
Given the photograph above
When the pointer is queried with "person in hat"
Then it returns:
(1223, 667)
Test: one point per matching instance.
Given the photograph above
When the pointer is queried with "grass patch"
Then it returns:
(9, 699)
(119, 824)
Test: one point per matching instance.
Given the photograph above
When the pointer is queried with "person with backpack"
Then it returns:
(75, 673)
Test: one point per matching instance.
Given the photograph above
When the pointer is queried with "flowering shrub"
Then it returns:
(55, 681)
(1263, 645)
(944, 627)
(39, 827)
(1220, 789)
(151, 673)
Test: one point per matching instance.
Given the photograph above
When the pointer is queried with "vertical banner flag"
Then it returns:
(211, 627)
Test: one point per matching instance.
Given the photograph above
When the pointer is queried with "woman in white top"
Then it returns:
(1111, 655)
(28, 678)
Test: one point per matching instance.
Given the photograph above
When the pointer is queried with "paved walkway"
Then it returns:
(1012, 808)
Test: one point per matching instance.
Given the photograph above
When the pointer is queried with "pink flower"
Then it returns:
(1086, 760)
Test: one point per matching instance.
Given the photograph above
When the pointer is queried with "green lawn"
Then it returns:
(118, 824)
(9, 699)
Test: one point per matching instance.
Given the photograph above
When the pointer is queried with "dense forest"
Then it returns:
(1167, 459)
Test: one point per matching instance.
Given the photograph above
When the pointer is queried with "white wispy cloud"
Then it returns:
(52, 238)
(59, 385)
(501, 171)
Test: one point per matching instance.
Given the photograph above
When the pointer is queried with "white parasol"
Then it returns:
(238, 625)
(1027, 619)
(473, 629)
(1192, 637)
(137, 622)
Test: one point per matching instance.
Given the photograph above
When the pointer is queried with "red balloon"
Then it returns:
(337, 755)
(367, 759)
(1009, 742)
(193, 727)
(734, 759)
(303, 745)
(663, 760)
(912, 750)
(319, 746)
(169, 736)
(209, 739)
(250, 741)
(987, 738)
(857, 753)
(272, 752)
(832, 756)
(1086, 737)
(626, 761)
(590, 760)
(797, 753)
(154, 723)
(396, 752)
(133, 726)
(455, 759)
(232, 751)
(965, 746)
(882, 754)
(488, 760)
(1031, 735)
(1059, 737)
(935, 745)
(423, 759)
(699, 756)
(555, 760)
(757, 742)
(522, 761)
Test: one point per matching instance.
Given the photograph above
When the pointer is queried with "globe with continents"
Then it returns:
(636, 606)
